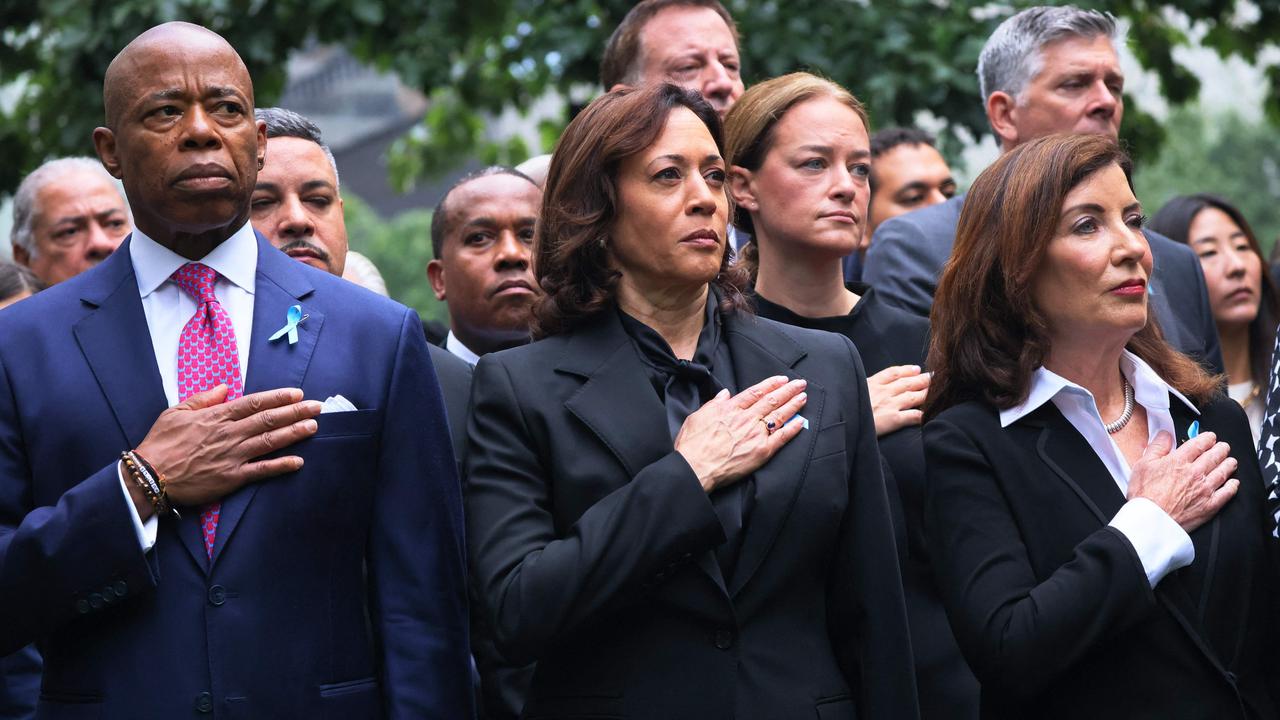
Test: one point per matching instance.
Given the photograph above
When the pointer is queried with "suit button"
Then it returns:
(217, 595)
(109, 595)
(204, 703)
(96, 601)
(723, 639)
(82, 606)
(121, 587)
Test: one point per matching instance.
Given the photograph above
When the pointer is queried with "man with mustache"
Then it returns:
(297, 205)
(185, 528)
(481, 236)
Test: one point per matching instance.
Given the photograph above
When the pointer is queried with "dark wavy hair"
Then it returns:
(580, 204)
(988, 336)
(1174, 221)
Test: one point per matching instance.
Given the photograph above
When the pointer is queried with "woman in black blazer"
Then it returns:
(662, 513)
(799, 172)
(1090, 570)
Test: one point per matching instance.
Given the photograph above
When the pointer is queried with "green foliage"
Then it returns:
(401, 248)
(1224, 155)
(476, 57)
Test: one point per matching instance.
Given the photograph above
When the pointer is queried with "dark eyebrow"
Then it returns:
(314, 184)
(266, 186)
(218, 91)
(1096, 208)
(827, 150)
(918, 185)
(677, 158)
(170, 94)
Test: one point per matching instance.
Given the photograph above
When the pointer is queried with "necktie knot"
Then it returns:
(196, 280)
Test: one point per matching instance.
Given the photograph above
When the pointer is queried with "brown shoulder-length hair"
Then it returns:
(988, 336)
(580, 204)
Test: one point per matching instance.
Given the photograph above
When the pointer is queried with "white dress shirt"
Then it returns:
(1162, 545)
(168, 308)
(455, 346)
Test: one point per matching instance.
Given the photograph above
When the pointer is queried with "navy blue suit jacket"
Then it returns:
(337, 591)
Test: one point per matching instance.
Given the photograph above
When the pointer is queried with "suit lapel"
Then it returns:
(1071, 458)
(117, 345)
(618, 404)
(1069, 455)
(280, 283)
(760, 351)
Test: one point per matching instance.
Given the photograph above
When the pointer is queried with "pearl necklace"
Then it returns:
(1127, 415)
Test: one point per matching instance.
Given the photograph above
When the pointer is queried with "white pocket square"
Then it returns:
(336, 403)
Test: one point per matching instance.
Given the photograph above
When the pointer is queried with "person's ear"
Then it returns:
(104, 142)
(21, 256)
(619, 86)
(262, 143)
(1001, 114)
(742, 188)
(435, 275)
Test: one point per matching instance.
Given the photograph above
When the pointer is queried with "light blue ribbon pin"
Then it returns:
(292, 318)
(1193, 429)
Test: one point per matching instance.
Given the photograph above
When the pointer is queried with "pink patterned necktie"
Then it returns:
(207, 357)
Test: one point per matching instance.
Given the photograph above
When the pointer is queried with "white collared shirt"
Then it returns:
(455, 346)
(168, 308)
(1162, 545)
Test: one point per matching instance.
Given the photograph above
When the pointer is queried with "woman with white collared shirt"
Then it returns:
(1101, 541)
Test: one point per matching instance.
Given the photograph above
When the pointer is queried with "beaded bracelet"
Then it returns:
(150, 482)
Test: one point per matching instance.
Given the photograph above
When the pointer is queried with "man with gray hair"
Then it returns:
(68, 215)
(1045, 70)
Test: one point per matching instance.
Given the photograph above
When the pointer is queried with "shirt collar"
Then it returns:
(455, 346)
(1149, 389)
(235, 259)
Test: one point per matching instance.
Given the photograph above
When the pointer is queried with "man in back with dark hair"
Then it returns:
(691, 43)
(907, 173)
(481, 238)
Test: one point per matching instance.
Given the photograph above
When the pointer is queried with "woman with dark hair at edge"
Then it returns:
(676, 508)
(1094, 506)
(1241, 291)
(799, 162)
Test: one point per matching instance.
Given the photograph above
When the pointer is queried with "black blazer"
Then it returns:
(1052, 607)
(454, 375)
(593, 543)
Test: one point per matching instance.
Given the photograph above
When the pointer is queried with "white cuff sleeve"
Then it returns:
(1162, 545)
(146, 531)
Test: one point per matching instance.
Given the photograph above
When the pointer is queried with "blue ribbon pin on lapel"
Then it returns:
(1193, 429)
(292, 318)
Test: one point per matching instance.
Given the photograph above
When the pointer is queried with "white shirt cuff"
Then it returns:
(146, 531)
(1162, 545)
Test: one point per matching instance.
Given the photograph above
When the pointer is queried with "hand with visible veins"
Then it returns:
(205, 447)
(729, 438)
(1191, 483)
